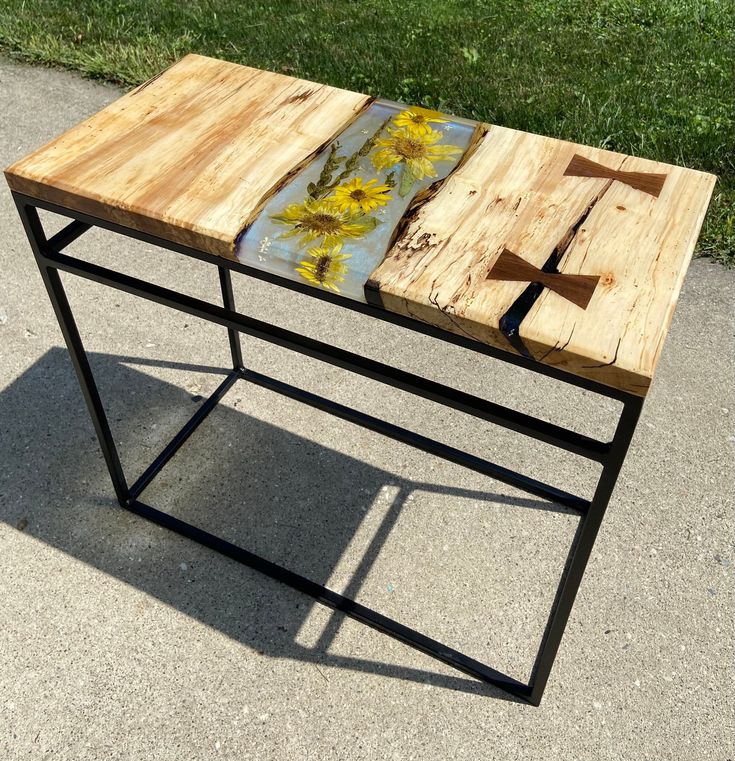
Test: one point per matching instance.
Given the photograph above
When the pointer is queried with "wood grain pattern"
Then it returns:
(641, 247)
(192, 154)
(513, 194)
(508, 194)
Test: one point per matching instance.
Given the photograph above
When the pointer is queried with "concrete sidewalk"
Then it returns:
(119, 640)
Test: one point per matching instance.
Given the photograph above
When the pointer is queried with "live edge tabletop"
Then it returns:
(571, 255)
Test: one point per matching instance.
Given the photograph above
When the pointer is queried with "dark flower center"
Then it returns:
(321, 223)
(358, 195)
(409, 149)
(322, 268)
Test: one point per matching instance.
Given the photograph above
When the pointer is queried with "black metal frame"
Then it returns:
(51, 260)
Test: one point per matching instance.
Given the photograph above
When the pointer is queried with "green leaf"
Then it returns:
(407, 181)
(372, 222)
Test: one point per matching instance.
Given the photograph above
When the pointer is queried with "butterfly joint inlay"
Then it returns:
(648, 182)
(575, 288)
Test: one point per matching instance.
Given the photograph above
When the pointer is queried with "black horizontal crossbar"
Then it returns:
(395, 432)
(437, 392)
(336, 601)
(67, 235)
(466, 460)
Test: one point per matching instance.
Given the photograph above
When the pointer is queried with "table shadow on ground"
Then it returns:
(54, 486)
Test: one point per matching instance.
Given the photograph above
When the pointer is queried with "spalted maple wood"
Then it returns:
(513, 193)
(641, 246)
(192, 154)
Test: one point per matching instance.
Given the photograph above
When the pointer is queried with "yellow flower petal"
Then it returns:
(416, 120)
(322, 219)
(326, 267)
(354, 196)
(417, 150)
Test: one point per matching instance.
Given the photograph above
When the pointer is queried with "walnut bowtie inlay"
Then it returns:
(648, 182)
(575, 288)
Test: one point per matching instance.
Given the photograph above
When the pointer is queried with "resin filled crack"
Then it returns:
(510, 322)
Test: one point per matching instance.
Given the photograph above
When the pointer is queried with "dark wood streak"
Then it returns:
(300, 97)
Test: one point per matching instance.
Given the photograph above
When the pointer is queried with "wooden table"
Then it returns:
(553, 256)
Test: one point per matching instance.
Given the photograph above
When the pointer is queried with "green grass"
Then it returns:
(649, 77)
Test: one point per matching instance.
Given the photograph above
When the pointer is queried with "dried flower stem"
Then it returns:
(326, 184)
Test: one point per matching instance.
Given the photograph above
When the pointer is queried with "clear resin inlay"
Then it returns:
(331, 225)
